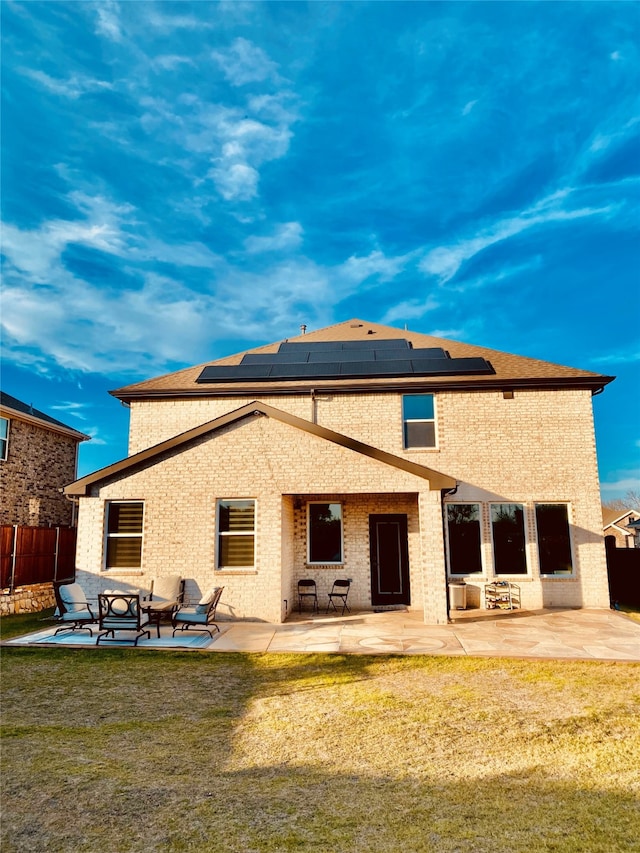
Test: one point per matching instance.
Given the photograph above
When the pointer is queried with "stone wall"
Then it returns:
(27, 599)
(39, 463)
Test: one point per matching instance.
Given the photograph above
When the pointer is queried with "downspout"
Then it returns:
(445, 493)
(314, 414)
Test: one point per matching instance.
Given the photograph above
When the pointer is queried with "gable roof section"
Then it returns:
(12, 407)
(435, 478)
(507, 370)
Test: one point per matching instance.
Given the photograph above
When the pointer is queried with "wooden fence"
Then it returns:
(623, 565)
(31, 555)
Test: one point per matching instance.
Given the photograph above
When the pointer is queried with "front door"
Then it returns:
(389, 552)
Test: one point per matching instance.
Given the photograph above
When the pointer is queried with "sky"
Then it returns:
(185, 180)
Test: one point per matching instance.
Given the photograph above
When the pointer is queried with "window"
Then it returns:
(325, 533)
(124, 535)
(236, 534)
(418, 420)
(4, 438)
(463, 537)
(554, 541)
(507, 524)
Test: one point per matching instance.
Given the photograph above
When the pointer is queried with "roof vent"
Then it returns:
(303, 329)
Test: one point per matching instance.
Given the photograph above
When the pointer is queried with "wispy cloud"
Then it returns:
(244, 62)
(73, 87)
(108, 19)
(286, 236)
(443, 262)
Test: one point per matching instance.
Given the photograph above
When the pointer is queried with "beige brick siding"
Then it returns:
(39, 463)
(537, 447)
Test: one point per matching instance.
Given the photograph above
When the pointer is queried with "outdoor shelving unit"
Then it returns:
(502, 595)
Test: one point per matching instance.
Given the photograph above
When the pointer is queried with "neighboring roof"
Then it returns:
(611, 517)
(13, 407)
(435, 478)
(508, 371)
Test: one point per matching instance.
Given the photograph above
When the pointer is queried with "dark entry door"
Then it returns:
(389, 559)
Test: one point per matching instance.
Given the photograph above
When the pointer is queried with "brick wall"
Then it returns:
(39, 463)
(537, 447)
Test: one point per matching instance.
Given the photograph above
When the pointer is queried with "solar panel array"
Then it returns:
(344, 360)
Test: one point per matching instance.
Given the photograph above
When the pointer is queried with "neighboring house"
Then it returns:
(38, 457)
(359, 451)
(634, 527)
(615, 523)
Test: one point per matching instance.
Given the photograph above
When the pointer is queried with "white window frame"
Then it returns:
(339, 562)
(567, 506)
(108, 536)
(220, 533)
(406, 421)
(482, 571)
(4, 440)
(527, 564)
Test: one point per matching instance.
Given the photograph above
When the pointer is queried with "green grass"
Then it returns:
(25, 623)
(131, 750)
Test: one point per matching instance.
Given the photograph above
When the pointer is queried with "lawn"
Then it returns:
(132, 750)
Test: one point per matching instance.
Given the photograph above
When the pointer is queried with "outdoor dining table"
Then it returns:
(156, 609)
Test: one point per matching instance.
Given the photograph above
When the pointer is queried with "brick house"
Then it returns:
(38, 457)
(615, 523)
(360, 451)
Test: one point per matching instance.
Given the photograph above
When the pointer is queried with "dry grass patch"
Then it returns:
(125, 750)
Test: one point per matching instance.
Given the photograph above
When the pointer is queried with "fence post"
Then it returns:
(14, 548)
(55, 556)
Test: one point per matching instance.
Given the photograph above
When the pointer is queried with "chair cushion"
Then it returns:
(73, 597)
(78, 615)
(192, 614)
(205, 601)
(166, 588)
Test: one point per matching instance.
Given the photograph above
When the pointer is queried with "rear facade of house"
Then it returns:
(394, 459)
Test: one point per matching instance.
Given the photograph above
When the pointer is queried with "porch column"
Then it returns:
(434, 578)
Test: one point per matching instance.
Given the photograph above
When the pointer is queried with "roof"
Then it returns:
(507, 370)
(24, 411)
(254, 409)
(613, 516)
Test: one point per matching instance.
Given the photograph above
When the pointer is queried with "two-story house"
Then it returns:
(361, 451)
(38, 457)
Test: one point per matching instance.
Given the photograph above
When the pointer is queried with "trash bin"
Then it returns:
(458, 596)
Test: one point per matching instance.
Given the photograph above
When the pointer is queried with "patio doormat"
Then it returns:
(82, 638)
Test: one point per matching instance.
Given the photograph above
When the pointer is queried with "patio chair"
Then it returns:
(200, 616)
(73, 609)
(307, 589)
(122, 612)
(339, 590)
(164, 591)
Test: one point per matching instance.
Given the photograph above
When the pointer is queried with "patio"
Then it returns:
(545, 634)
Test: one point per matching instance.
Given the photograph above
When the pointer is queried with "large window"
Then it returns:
(124, 534)
(463, 538)
(325, 533)
(4, 438)
(554, 541)
(418, 419)
(236, 534)
(507, 524)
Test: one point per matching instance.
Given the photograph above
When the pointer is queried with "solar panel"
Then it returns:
(344, 360)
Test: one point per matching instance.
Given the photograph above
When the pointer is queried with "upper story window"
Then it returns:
(4, 438)
(507, 526)
(554, 540)
(418, 418)
(124, 534)
(325, 533)
(236, 534)
(463, 539)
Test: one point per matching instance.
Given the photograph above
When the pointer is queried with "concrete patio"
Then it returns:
(604, 635)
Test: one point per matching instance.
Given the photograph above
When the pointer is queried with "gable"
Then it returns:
(153, 454)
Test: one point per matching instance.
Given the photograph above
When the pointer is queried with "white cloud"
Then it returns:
(443, 262)
(108, 23)
(358, 269)
(245, 62)
(235, 181)
(74, 87)
(629, 481)
(288, 235)
(468, 107)
(72, 409)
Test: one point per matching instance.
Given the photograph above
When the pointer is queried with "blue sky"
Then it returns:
(181, 181)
